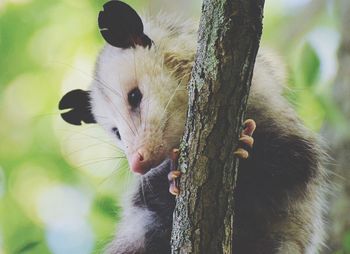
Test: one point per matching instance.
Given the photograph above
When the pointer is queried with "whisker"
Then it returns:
(126, 103)
(136, 78)
(168, 103)
(147, 113)
(104, 84)
(145, 102)
(143, 192)
(114, 172)
(165, 120)
(138, 147)
(115, 108)
(93, 77)
(101, 83)
(92, 162)
(69, 154)
(148, 184)
(93, 137)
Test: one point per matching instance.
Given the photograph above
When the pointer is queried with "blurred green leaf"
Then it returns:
(309, 65)
(106, 205)
(28, 247)
(346, 243)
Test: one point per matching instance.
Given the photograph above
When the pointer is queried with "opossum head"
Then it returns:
(139, 93)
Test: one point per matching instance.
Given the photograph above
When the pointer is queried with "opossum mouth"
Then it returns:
(141, 171)
(153, 166)
(145, 167)
(163, 167)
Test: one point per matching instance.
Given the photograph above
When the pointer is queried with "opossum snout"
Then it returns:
(140, 162)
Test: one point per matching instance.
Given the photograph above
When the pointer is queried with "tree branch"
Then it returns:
(229, 36)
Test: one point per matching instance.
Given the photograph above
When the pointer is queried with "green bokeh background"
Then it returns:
(61, 186)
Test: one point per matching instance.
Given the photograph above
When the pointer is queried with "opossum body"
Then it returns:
(140, 97)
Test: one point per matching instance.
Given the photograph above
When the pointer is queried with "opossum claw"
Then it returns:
(246, 140)
(173, 178)
(249, 141)
(241, 153)
(173, 189)
(249, 127)
(174, 174)
(175, 155)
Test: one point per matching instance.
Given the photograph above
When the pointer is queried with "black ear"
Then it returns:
(79, 103)
(121, 26)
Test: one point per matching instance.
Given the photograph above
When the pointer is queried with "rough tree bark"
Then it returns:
(339, 140)
(229, 37)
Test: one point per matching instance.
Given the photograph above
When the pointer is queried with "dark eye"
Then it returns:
(116, 132)
(135, 97)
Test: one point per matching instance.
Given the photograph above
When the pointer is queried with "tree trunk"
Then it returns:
(339, 139)
(229, 37)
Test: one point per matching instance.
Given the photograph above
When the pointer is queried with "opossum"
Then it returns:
(139, 96)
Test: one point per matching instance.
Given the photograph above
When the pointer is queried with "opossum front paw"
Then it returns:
(246, 140)
(173, 177)
(174, 174)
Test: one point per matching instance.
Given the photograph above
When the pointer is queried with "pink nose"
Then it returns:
(139, 163)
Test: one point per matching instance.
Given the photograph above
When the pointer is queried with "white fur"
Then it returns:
(318, 223)
(131, 230)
